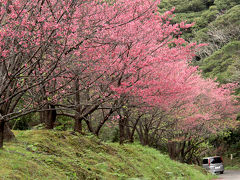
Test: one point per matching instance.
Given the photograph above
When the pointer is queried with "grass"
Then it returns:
(44, 155)
(233, 164)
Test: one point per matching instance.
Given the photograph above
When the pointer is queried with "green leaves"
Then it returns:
(223, 64)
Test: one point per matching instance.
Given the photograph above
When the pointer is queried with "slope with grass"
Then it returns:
(43, 154)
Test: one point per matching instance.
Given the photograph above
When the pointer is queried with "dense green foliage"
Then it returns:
(225, 4)
(223, 63)
(217, 23)
(223, 29)
(185, 5)
(62, 155)
(205, 13)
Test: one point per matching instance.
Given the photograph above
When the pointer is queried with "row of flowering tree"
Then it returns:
(79, 57)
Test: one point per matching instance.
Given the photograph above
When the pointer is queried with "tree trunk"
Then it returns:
(127, 129)
(5, 133)
(48, 117)
(131, 138)
(42, 117)
(121, 130)
(8, 134)
(100, 125)
(140, 133)
(1, 132)
(78, 125)
(172, 150)
(78, 121)
(89, 125)
(182, 158)
(146, 136)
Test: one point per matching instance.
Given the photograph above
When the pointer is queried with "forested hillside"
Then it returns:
(217, 23)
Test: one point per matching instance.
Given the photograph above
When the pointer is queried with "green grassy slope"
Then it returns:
(43, 154)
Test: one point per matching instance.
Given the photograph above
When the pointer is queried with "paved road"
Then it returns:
(230, 175)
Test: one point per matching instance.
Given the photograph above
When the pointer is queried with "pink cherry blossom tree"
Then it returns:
(38, 37)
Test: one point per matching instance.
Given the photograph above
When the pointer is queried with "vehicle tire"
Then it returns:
(221, 172)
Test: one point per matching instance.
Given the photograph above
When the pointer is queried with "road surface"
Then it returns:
(230, 175)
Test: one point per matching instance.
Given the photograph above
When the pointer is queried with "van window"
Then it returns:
(216, 160)
(205, 161)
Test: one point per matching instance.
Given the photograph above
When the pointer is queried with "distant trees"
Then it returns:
(223, 64)
(225, 4)
(192, 117)
(186, 6)
(219, 32)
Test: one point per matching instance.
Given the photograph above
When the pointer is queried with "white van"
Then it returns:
(213, 164)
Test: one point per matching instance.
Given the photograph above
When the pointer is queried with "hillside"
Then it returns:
(43, 154)
(223, 63)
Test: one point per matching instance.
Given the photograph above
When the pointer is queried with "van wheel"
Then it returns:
(221, 172)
